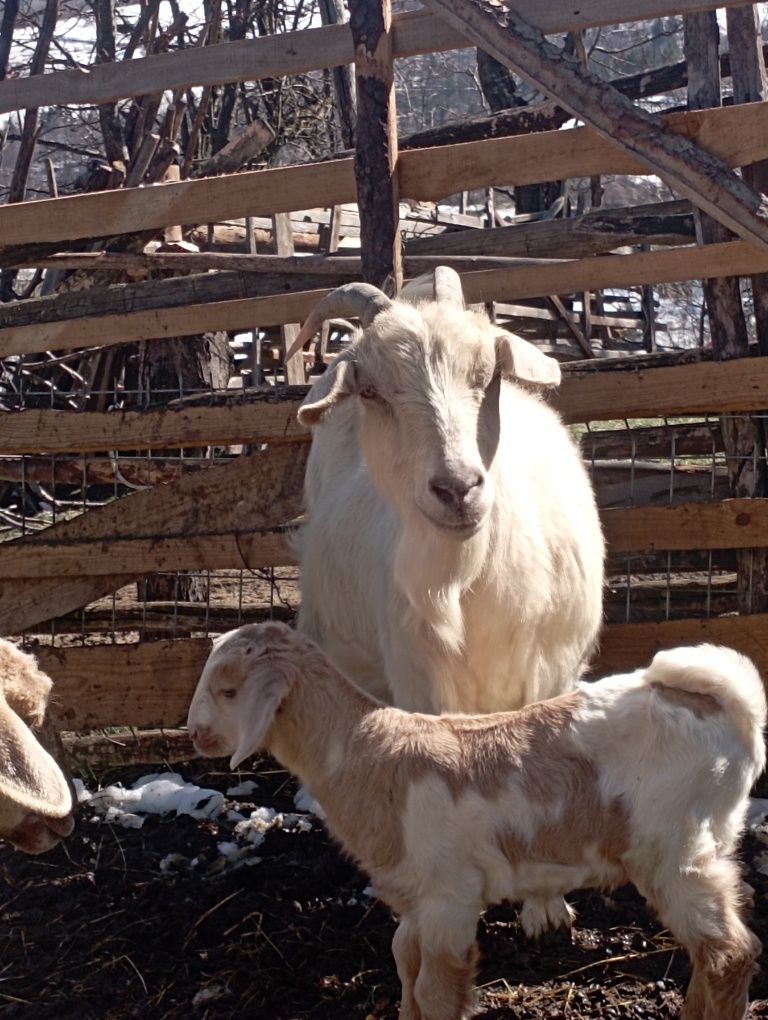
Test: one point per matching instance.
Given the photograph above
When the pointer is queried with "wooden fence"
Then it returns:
(232, 515)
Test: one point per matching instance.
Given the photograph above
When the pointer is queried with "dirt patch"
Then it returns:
(113, 925)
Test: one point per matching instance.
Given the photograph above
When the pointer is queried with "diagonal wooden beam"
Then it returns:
(689, 170)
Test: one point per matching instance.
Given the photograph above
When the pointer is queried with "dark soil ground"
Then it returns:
(95, 929)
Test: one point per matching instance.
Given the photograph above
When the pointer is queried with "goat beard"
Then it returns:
(433, 573)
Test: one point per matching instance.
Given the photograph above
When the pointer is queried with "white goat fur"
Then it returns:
(422, 617)
(35, 799)
(641, 777)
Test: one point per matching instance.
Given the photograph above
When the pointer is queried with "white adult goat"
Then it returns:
(35, 799)
(643, 777)
(452, 559)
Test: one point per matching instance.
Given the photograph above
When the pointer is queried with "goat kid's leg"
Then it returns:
(703, 911)
(407, 954)
(444, 987)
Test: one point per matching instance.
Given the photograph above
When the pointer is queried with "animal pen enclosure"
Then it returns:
(141, 514)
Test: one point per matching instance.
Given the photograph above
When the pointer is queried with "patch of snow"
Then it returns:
(756, 812)
(304, 801)
(171, 862)
(156, 794)
(242, 789)
(208, 994)
(760, 863)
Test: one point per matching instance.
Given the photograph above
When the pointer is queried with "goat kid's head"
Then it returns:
(249, 673)
(427, 380)
(35, 799)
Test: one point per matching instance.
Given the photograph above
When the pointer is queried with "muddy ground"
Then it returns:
(96, 929)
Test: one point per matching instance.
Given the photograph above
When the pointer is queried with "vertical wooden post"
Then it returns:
(727, 323)
(726, 315)
(376, 148)
(750, 86)
(283, 231)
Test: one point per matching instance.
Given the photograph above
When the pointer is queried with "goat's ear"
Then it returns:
(260, 705)
(29, 776)
(524, 362)
(337, 382)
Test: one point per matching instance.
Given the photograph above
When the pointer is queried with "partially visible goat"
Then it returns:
(35, 799)
(452, 558)
(643, 778)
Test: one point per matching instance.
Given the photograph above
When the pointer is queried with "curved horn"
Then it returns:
(448, 286)
(359, 300)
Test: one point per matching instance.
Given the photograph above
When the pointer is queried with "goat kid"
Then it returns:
(35, 799)
(450, 814)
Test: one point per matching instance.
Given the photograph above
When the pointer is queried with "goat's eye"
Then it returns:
(369, 393)
(228, 692)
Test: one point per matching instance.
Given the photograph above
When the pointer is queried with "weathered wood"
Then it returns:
(254, 417)
(172, 292)
(376, 173)
(293, 53)
(150, 685)
(337, 269)
(283, 234)
(24, 603)
(657, 442)
(728, 325)
(185, 525)
(142, 747)
(92, 471)
(687, 389)
(520, 120)
(690, 170)
(624, 647)
(729, 524)
(738, 135)
(143, 685)
(750, 85)
(663, 223)
(529, 279)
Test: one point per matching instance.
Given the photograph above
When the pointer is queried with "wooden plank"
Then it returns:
(147, 684)
(690, 170)
(729, 524)
(533, 278)
(683, 389)
(151, 684)
(738, 135)
(601, 230)
(738, 385)
(108, 330)
(291, 53)
(225, 508)
(627, 646)
(254, 419)
(283, 234)
(28, 602)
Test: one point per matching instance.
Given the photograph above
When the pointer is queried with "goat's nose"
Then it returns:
(456, 489)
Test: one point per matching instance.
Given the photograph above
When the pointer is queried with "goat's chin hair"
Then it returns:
(433, 571)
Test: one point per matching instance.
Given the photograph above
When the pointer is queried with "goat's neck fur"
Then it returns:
(434, 572)
(326, 732)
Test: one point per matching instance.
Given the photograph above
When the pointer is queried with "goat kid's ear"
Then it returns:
(337, 382)
(262, 700)
(29, 776)
(524, 362)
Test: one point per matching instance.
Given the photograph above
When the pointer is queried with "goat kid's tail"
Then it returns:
(715, 673)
